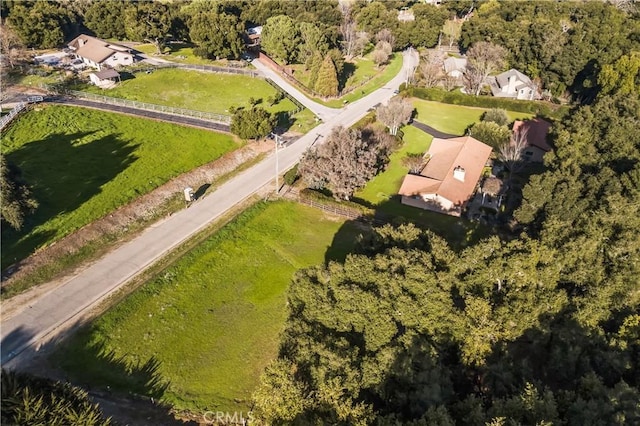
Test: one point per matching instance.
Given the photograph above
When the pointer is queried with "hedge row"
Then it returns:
(538, 108)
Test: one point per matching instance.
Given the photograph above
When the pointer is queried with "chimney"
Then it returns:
(458, 173)
(512, 84)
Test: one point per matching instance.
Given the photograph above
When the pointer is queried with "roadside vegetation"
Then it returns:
(199, 335)
(196, 90)
(81, 164)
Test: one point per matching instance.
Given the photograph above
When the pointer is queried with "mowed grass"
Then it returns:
(207, 326)
(200, 91)
(179, 52)
(83, 163)
(453, 119)
(381, 192)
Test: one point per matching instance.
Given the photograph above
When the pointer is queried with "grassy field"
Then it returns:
(199, 335)
(195, 90)
(181, 53)
(82, 164)
(453, 119)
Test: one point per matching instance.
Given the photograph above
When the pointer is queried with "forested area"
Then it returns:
(539, 329)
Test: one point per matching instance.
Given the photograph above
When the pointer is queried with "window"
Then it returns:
(528, 153)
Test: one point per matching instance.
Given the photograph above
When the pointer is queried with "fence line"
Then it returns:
(299, 106)
(4, 121)
(210, 68)
(353, 214)
(217, 118)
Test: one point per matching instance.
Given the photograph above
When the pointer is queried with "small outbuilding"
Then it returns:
(105, 79)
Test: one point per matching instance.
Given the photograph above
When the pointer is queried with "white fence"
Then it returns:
(210, 116)
(4, 121)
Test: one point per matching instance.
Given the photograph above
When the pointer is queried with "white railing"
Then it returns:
(4, 121)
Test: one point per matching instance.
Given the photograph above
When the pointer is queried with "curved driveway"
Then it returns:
(38, 322)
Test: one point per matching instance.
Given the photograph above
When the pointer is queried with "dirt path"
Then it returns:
(142, 208)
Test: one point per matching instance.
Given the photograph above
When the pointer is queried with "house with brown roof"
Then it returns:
(449, 176)
(100, 54)
(533, 133)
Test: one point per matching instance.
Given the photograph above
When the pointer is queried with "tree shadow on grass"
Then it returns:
(64, 173)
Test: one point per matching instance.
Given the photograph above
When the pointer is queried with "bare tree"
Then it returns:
(348, 31)
(483, 58)
(430, 69)
(345, 161)
(511, 152)
(451, 30)
(396, 113)
(362, 41)
(415, 162)
(381, 53)
(12, 48)
(385, 35)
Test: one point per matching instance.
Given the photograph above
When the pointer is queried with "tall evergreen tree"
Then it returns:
(327, 81)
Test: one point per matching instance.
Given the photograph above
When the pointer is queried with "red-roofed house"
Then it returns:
(534, 135)
(449, 178)
(98, 53)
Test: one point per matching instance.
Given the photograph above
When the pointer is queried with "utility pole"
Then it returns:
(275, 137)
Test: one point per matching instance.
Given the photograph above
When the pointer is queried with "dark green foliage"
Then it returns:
(291, 176)
(149, 21)
(252, 123)
(490, 133)
(29, 400)
(327, 80)
(42, 24)
(217, 35)
(16, 200)
(104, 18)
(281, 38)
(496, 115)
(457, 98)
(563, 43)
(540, 329)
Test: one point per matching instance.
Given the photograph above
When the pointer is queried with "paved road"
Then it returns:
(325, 113)
(33, 325)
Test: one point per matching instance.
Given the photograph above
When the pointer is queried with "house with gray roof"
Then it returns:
(513, 84)
(99, 54)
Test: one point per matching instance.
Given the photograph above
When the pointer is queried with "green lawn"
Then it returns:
(83, 163)
(181, 53)
(208, 325)
(385, 185)
(200, 91)
(453, 119)
(381, 191)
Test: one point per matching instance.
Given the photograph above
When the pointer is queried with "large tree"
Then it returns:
(105, 18)
(217, 34)
(345, 161)
(394, 114)
(13, 50)
(281, 38)
(252, 123)
(327, 80)
(483, 59)
(313, 41)
(17, 201)
(42, 24)
(149, 21)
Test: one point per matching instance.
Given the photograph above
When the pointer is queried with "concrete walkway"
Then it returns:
(27, 329)
(323, 112)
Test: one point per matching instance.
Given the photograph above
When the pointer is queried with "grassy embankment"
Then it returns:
(208, 325)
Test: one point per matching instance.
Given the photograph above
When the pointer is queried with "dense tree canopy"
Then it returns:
(217, 34)
(104, 18)
(16, 200)
(42, 24)
(281, 38)
(539, 329)
(29, 400)
(252, 123)
(563, 43)
(148, 21)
